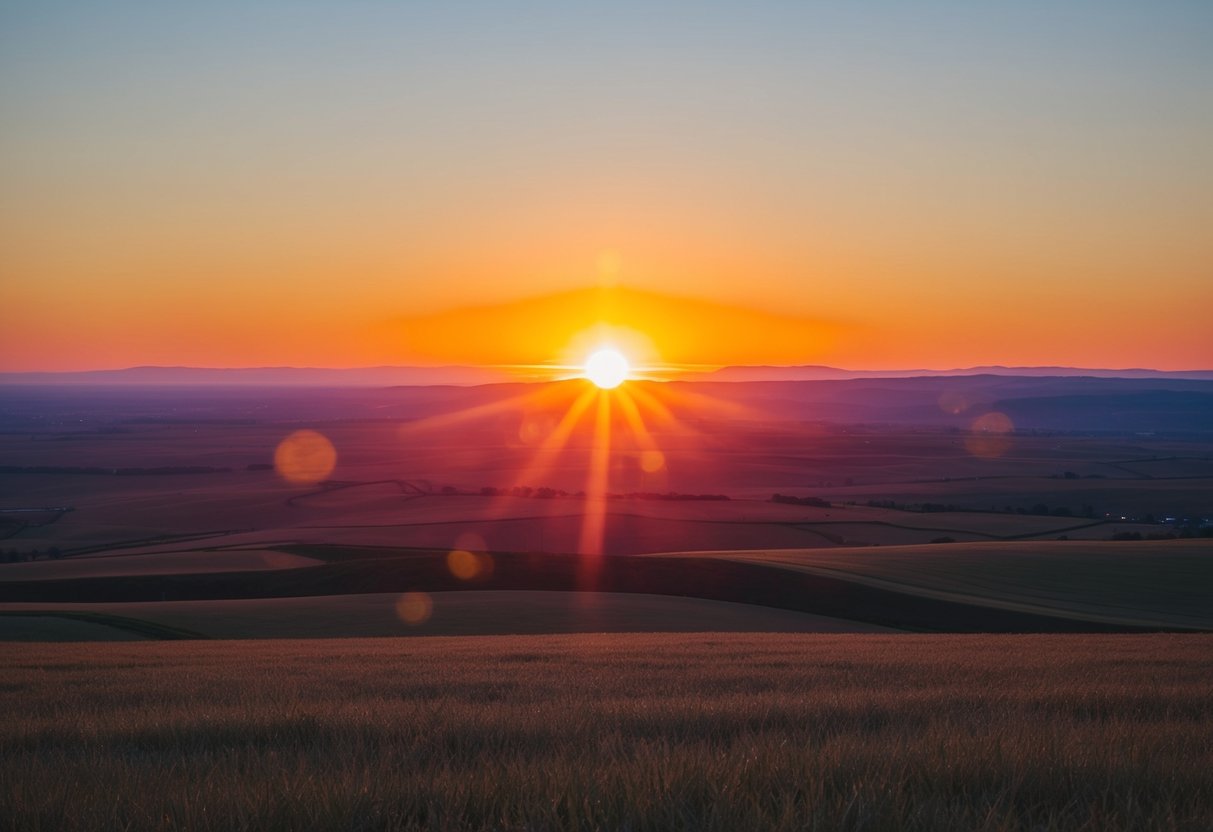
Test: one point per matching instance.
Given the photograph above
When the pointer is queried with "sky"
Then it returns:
(879, 185)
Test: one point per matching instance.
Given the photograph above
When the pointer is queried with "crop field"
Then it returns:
(914, 636)
(1016, 587)
(476, 612)
(987, 586)
(418, 482)
(597, 732)
(1164, 583)
(135, 517)
(38, 627)
(170, 563)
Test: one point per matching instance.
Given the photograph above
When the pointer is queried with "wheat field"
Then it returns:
(612, 732)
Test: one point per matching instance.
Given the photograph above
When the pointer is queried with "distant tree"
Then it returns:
(795, 501)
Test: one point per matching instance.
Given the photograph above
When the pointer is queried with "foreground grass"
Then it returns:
(595, 732)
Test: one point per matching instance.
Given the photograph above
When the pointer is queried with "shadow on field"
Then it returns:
(351, 570)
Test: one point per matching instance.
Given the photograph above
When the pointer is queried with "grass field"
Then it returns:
(639, 732)
(447, 613)
(175, 563)
(1021, 587)
(382, 470)
(253, 509)
(748, 680)
(1161, 583)
(40, 627)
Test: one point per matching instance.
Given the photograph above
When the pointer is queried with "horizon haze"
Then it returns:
(469, 375)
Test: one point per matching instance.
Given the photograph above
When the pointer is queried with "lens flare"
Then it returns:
(990, 435)
(652, 461)
(414, 608)
(467, 566)
(607, 368)
(305, 457)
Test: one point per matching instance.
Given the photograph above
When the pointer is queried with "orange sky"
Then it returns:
(401, 185)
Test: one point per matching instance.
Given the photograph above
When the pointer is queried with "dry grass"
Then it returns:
(637, 732)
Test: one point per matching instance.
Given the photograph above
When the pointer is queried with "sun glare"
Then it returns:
(607, 368)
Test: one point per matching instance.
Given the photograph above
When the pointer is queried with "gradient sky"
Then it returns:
(870, 185)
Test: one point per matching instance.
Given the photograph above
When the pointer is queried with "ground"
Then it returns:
(601, 732)
(706, 664)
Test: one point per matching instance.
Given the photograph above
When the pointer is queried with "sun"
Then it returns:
(607, 368)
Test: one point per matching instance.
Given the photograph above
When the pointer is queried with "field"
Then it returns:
(1163, 583)
(925, 630)
(594, 732)
(172, 563)
(94, 471)
(445, 613)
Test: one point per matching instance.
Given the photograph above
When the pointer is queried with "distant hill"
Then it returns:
(273, 376)
(1164, 404)
(817, 372)
(465, 376)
